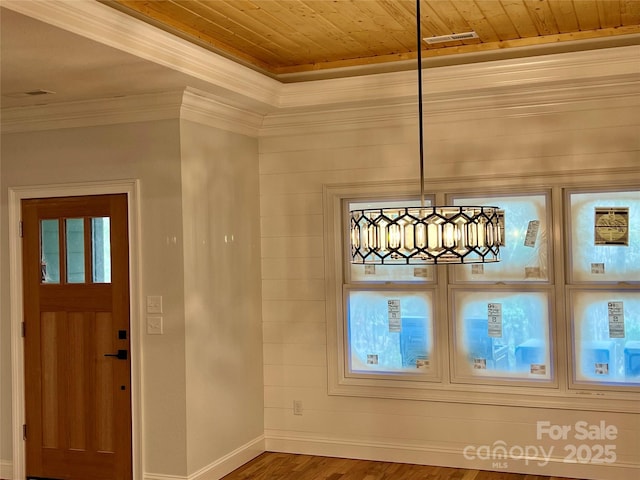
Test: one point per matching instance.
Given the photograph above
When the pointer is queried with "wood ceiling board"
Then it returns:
(565, 16)
(630, 12)
(471, 12)
(542, 17)
(519, 16)
(499, 19)
(588, 18)
(281, 37)
(609, 13)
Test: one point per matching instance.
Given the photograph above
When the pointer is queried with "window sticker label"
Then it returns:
(597, 268)
(421, 272)
(616, 319)
(372, 359)
(611, 226)
(423, 363)
(477, 269)
(532, 233)
(369, 269)
(538, 369)
(602, 369)
(395, 317)
(494, 311)
(479, 363)
(532, 272)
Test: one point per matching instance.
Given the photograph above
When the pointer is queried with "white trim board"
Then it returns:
(16, 195)
(221, 467)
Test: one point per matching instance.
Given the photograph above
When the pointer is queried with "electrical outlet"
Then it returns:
(297, 407)
(154, 325)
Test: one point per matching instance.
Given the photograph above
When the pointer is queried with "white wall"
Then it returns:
(220, 207)
(498, 132)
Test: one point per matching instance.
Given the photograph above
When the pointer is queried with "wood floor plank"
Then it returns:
(284, 466)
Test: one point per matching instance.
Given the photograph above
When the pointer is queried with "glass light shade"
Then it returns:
(426, 235)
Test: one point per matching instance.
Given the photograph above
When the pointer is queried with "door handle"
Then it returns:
(121, 355)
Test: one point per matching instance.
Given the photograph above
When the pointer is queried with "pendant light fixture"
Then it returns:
(410, 235)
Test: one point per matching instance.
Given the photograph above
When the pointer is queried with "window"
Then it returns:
(604, 241)
(524, 257)
(80, 252)
(556, 320)
(604, 246)
(501, 334)
(505, 334)
(606, 337)
(390, 332)
(50, 251)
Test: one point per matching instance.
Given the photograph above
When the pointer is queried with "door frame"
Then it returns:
(16, 194)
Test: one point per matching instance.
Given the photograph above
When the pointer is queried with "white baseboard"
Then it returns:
(222, 466)
(448, 457)
(160, 476)
(6, 469)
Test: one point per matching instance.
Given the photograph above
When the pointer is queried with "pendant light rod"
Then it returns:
(410, 235)
(421, 135)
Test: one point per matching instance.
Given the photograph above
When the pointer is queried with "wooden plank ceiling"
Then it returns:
(281, 37)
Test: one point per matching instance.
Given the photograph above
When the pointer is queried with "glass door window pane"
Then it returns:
(101, 249)
(524, 255)
(50, 251)
(605, 236)
(606, 336)
(75, 250)
(502, 334)
(390, 332)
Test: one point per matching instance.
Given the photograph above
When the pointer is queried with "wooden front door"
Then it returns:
(76, 338)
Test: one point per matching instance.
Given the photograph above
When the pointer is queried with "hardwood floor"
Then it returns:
(284, 466)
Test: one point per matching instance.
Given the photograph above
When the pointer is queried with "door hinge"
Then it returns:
(21, 228)
(24, 329)
(24, 431)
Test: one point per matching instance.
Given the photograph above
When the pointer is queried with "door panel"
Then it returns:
(76, 304)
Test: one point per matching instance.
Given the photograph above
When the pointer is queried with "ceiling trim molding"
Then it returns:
(89, 113)
(111, 27)
(194, 105)
(189, 104)
(505, 102)
(198, 107)
(567, 68)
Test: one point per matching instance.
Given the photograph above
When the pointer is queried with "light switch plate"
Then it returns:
(154, 304)
(154, 325)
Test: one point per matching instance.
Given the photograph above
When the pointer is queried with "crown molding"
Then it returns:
(189, 104)
(513, 101)
(104, 111)
(198, 107)
(560, 68)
